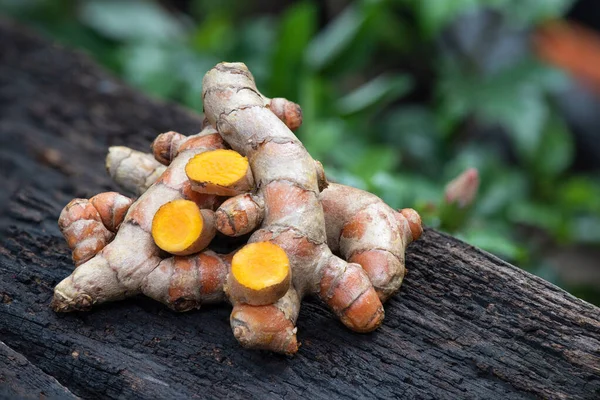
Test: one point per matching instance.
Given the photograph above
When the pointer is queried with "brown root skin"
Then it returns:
(343, 292)
(363, 229)
(119, 269)
(269, 327)
(82, 302)
(347, 290)
(321, 178)
(414, 222)
(242, 214)
(133, 170)
(287, 111)
(112, 208)
(89, 225)
(166, 146)
(289, 184)
(287, 181)
(239, 215)
(185, 283)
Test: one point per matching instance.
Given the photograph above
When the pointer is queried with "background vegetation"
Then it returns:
(399, 97)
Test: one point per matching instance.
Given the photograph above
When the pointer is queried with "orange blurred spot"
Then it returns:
(572, 47)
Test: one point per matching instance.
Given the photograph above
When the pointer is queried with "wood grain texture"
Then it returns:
(19, 379)
(465, 324)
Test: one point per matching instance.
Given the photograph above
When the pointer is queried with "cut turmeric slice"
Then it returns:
(180, 227)
(221, 172)
(260, 274)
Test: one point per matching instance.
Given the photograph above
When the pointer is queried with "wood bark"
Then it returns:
(464, 325)
(19, 379)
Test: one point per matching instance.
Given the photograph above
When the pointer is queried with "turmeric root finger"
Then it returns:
(166, 146)
(118, 270)
(134, 170)
(260, 274)
(113, 274)
(112, 208)
(220, 172)
(89, 225)
(413, 219)
(347, 290)
(359, 226)
(364, 230)
(287, 111)
(270, 327)
(185, 283)
(239, 215)
(181, 228)
(321, 178)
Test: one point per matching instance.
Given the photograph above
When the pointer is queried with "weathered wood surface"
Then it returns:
(465, 325)
(21, 379)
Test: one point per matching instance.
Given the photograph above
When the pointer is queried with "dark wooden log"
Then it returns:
(19, 379)
(465, 324)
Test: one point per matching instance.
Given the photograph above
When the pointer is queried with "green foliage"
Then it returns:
(384, 108)
(131, 20)
(434, 15)
(375, 93)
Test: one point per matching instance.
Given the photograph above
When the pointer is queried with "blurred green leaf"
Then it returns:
(542, 216)
(434, 15)
(216, 34)
(547, 271)
(524, 118)
(333, 40)
(192, 68)
(472, 156)
(350, 34)
(373, 160)
(131, 20)
(22, 8)
(255, 44)
(411, 129)
(556, 150)
(345, 178)
(512, 98)
(297, 27)
(452, 217)
(579, 194)
(586, 229)
(588, 292)
(498, 193)
(405, 190)
(395, 32)
(494, 241)
(203, 8)
(325, 136)
(310, 96)
(378, 91)
(151, 68)
(526, 12)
